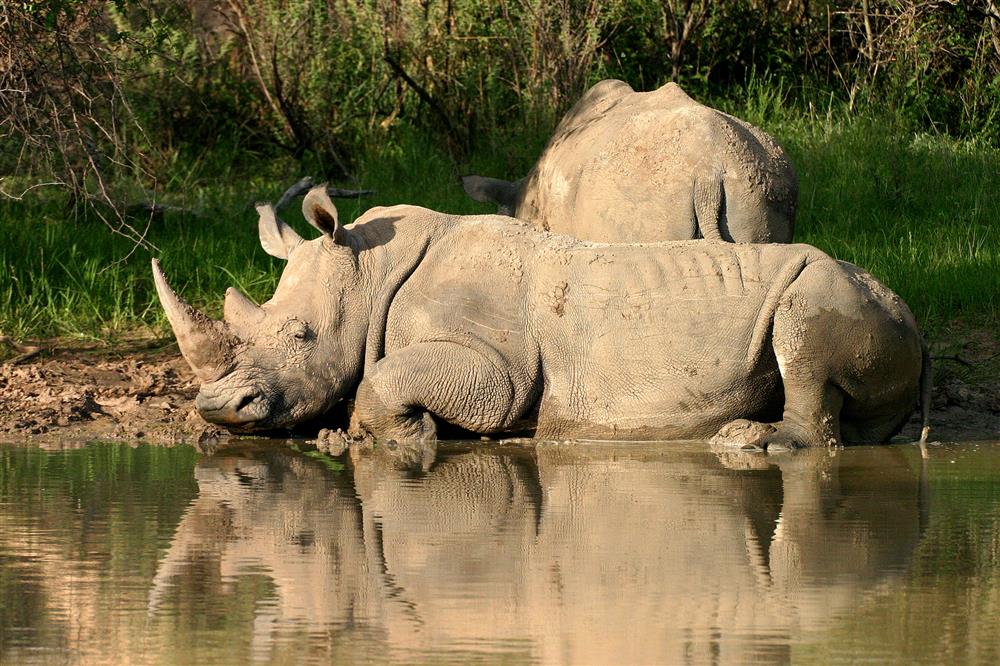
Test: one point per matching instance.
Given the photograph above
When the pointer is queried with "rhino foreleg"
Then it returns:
(449, 380)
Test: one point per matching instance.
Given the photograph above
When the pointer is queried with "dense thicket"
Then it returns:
(93, 91)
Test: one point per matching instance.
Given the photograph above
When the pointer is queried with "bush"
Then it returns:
(114, 99)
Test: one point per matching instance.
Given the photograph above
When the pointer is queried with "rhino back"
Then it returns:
(646, 340)
(596, 179)
(626, 172)
(612, 336)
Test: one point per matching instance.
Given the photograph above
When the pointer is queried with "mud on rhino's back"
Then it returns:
(659, 334)
(624, 170)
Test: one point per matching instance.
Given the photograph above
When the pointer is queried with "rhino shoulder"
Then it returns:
(605, 91)
(673, 92)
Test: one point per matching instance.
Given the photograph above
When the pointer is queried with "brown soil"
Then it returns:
(142, 390)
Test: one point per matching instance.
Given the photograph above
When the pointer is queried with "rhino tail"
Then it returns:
(709, 202)
(926, 382)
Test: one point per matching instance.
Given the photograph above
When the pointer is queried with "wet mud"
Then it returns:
(143, 390)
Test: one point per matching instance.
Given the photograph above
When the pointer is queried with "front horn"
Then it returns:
(205, 343)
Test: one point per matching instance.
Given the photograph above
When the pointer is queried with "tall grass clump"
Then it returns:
(915, 210)
(66, 278)
(913, 207)
(64, 275)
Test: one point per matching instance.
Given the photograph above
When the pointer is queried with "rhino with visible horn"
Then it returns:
(483, 322)
(630, 167)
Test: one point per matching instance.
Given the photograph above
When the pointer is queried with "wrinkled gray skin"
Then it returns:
(627, 167)
(483, 322)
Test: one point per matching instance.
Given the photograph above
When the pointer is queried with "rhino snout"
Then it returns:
(233, 407)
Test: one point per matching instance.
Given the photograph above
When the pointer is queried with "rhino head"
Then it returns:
(291, 359)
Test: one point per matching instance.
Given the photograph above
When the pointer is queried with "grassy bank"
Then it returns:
(919, 211)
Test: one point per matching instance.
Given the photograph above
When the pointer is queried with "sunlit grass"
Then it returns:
(918, 211)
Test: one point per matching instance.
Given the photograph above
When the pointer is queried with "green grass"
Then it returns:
(919, 211)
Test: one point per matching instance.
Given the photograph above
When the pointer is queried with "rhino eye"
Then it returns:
(298, 330)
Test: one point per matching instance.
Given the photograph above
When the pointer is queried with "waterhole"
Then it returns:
(549, 553)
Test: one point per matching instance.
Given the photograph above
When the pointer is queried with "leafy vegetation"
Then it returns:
(164, 121)
(112, 98)
(913, 208)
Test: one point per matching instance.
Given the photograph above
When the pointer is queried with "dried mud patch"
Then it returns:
(965, 402)
(68, 393)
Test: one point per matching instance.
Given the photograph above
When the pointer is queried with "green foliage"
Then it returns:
(914, 208)
(887, 106)
(160, 82)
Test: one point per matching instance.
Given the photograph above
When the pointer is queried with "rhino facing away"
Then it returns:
(626, 167)
(482, 321)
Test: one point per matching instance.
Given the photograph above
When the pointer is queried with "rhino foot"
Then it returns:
(742, 434)
(417, 431)
(791, 436)
(781, 441)
(332, 442)
(406, 454)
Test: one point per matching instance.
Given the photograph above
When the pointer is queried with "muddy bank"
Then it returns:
(144, 391)
(141, 390)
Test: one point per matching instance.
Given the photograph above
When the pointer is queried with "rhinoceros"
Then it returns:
(481, 322)
(625, 167)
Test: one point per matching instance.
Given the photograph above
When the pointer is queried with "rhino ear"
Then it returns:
(277, 238)
(320, 212)
(493, 190)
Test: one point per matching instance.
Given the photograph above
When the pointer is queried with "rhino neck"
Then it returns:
(390, 244)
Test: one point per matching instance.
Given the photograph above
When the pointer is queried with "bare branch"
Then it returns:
(425, 97)
(20, 197)
(306, 183)
(25, 352)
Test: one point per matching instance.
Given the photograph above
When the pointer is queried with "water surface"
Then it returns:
(476, 553)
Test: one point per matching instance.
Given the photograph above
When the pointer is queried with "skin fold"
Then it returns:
(484, 322)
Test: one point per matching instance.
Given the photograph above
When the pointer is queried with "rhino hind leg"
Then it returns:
(448, 380)
(811, 416)
(849, 355)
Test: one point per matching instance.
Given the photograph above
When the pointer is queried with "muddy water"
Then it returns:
(547, 554)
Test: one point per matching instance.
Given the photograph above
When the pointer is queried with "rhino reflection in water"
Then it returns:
(579, 555)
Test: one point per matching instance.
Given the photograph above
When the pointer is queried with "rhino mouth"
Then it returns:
(244, 408)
